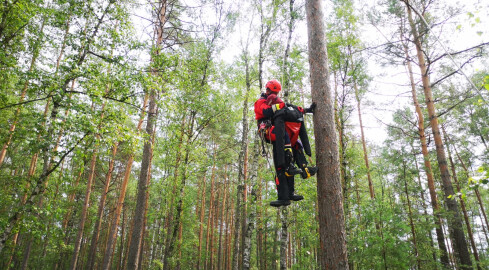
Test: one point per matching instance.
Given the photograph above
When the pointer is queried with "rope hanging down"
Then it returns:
(266, 152)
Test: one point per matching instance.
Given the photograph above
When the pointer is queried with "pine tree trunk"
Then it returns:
(454, 222)
(259, 230)
(112, 237)
(83, 216)
(477, 193)
(139, 217)
(427, 164)
(98, 221)
(229, 237)
(330, 199)
(222, 220)
(364, 144)
(462, 202)
(137, 237)
(212, 242)
(210, 215)
(338, 115)
(201, 228)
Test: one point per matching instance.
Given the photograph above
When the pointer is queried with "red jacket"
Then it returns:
(262, 110)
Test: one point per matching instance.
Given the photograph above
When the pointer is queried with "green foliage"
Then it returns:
(92, 75)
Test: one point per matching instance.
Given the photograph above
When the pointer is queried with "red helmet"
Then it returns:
(274, 86)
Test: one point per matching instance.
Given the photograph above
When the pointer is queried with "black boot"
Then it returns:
(291, 169)
(308, 172)
(282, 190)
(279, 203)
(291, 186)
(296, 197)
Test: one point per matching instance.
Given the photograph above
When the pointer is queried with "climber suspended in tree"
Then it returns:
(282, 125)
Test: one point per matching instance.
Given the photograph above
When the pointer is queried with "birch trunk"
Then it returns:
(283, 237)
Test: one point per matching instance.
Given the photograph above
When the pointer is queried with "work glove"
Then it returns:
(311, 108)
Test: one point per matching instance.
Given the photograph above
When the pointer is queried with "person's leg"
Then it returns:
(301, 161)
(305, 139)
(279, 144)
(280, 181)
(284, 157)
(290, 169)
(291, 189)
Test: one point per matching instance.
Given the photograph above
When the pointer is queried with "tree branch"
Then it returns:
(25, 102)
(462, 51)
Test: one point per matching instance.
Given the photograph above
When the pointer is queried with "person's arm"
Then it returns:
(262, 110)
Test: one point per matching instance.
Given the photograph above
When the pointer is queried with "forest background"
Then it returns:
(128, 136)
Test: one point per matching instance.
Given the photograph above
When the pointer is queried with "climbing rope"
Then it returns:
(266, 151)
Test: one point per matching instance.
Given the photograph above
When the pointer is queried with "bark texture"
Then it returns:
(139, 217)
(330, 200)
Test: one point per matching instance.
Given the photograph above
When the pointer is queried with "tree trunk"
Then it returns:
(3, 152)
(212, 243)
(283, 237)
(410, 214)
(454, 222)
(462, 202)
(425, 212)
(229, 237)
(250, 226)
(139, 217)
(98, 222)
(364, 144)
(83, 216)
(222, 219)
(112, 237)
(427, 164)
(201, 227)
(285, 68)
(237, 223)
(477, 193)
(242, 177)
(179, 208)
(330, 200)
